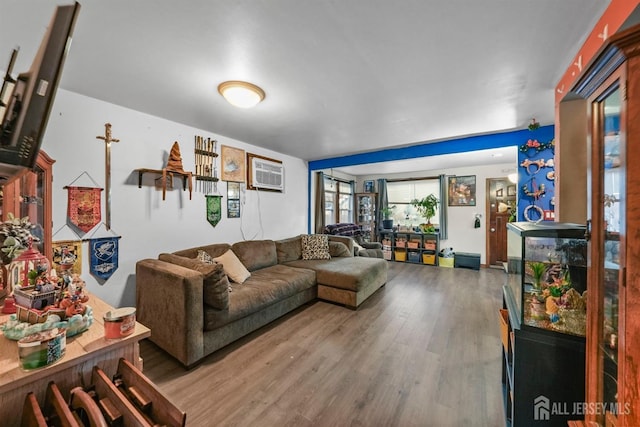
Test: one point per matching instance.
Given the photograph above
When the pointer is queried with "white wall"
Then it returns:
(463, 237)
(148, 225)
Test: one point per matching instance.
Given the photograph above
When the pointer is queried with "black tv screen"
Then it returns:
(28, 108)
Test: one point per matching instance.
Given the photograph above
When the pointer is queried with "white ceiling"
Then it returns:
(341, 76)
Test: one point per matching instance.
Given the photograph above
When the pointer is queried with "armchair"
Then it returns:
(361, 247)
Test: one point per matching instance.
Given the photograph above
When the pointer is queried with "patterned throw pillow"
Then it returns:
(205, 257)
(315, 246)
(208, 259)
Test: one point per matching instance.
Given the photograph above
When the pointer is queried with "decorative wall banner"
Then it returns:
(214, 209)
(83, 207)
(67, 256)
(104, 256)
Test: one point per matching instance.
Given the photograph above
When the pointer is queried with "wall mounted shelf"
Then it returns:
(166, 173)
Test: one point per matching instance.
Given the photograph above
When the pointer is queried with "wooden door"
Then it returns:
(501, 196)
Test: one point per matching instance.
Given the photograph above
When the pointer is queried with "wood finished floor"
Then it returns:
(422, 351)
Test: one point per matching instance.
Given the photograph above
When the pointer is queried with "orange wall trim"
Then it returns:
(610, 21)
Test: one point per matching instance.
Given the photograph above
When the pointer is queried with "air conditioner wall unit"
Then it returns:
(265, 173)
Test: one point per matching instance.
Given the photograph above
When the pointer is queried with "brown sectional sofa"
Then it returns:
(191, 313)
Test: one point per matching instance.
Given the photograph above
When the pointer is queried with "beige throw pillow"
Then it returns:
(236, 271)
(315, 246)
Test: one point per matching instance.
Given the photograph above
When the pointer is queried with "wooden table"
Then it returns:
(83, 352)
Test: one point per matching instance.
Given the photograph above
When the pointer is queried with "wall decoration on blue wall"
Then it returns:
(536, 176)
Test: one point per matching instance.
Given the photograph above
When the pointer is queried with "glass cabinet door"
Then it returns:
(613, 192)
(607, 228)
(365, 214)
(365, 208)
(30, 196)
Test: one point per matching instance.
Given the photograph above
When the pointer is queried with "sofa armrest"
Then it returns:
(371, 245)
(348, 241)
(169, 301)
(371, 253)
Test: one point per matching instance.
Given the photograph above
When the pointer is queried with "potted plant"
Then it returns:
(427, 208)
(387, 221)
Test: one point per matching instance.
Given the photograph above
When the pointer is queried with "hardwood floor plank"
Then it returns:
(422, 351)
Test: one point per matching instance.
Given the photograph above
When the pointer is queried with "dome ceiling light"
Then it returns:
(241, 94)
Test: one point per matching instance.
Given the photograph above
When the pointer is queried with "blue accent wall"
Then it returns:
(532, 178)
(459, 145)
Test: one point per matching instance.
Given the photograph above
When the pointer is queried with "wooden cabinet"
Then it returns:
(82, 353)
(611, 88)
(30, 195)
(365, 215)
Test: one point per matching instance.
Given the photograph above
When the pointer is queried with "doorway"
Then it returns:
(501, 200)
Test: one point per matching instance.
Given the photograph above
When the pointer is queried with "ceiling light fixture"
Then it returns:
(241, 94)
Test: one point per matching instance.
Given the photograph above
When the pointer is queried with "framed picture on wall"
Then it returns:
(369, 187)
(462, 190)
(232, 162)
(233, 208)
(233, 200)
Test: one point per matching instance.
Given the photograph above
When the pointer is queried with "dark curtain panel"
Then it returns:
(444, 203)
(319, 208)
(382, 201)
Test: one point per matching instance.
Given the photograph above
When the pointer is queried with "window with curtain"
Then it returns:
(338, 198)
(400, 193)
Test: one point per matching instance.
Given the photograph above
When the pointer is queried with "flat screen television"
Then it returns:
(27, 110)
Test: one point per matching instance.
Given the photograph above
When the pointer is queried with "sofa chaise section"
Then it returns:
(345, 279)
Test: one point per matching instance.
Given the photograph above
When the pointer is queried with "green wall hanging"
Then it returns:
(214, 210)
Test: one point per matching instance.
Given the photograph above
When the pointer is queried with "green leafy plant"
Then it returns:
(427, 228)
(14, 235)
(387, 211)
(513, 212)
(534, 125)
(426, 206)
